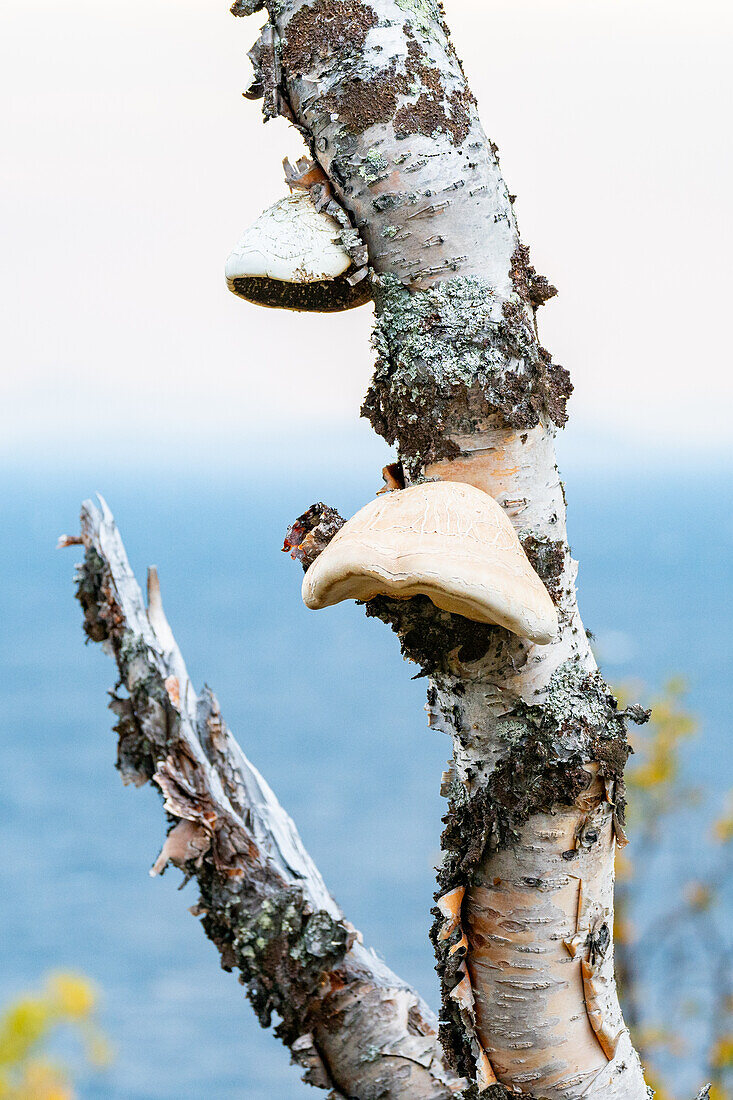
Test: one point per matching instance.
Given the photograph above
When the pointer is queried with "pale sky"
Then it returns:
(131, 164)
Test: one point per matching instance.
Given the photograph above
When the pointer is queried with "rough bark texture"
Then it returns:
(349, 1021)
(467, 393)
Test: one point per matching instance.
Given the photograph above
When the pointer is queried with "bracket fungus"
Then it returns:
(442, 539)
(293, 257)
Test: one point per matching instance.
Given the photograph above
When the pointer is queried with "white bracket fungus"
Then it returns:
(442, 539)
(293, 257)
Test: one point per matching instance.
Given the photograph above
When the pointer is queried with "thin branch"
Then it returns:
(352, 1024)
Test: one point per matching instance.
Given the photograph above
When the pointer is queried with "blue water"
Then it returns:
(322, 704)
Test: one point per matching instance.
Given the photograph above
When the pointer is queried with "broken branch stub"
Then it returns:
(445, 540)
(310, 533)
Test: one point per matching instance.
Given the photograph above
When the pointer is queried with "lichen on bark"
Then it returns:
(282, 951)
(450, 357)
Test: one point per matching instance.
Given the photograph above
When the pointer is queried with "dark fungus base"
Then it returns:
(326, 296)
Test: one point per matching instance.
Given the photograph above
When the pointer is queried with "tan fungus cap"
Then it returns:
(445, 540)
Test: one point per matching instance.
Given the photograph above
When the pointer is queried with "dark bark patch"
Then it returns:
(431, 114)
(545, 765)
(364, 102)
(547, 558)
(89, 581)
(432, 638)
(325, 30)
(135, 759)
(267, 82)
(532, 288)
(611, 754)
(434, 110)
(527, 781)
(556, 387)
(551, 386)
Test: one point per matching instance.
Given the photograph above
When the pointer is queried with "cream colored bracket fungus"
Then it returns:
(442, 539)
(293, 258)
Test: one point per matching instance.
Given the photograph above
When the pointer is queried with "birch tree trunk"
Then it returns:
(467, 393)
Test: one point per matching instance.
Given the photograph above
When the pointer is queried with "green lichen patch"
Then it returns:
(282, 950)
(246, 7)
(423, 14)
(374, 167)
(445, 361)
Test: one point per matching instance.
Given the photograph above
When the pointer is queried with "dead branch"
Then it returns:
(353, 1025)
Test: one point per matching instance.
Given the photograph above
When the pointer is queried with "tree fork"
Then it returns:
(465, 390)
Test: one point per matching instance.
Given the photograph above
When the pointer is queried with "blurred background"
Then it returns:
(131, 165)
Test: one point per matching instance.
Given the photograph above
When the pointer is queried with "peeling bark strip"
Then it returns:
(467, 393)
(353, 1025)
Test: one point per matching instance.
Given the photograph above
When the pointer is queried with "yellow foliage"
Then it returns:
(655, 767)
(65, 1000)
(39, 1080)
(660, 1092)
(723, 1052)
(74, 996)
(24, 1024)
(723, 827)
